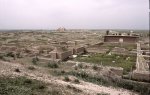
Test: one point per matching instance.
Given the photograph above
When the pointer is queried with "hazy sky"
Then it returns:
(94, 14)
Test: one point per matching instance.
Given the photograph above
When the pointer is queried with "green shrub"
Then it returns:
(53, 65)
(18, 55)
(66, 78)
(34, 61)
(95, 67)
(103, 94)
(54, 92)
(73, 88)
(1, 56)
(76, 81)
(76, 68)
(10, 54)
(31, 68)
(57, 73)
(63, 72)
(80, 65)
(17, 70)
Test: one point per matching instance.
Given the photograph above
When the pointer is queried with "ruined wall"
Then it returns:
(141, 76)
(54, 55)
(117, 71)
(96, 50)
(64, 55)
(79, 50)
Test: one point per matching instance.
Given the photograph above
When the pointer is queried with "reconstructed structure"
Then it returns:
(121, 37)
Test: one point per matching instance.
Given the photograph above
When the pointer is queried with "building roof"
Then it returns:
(121, 36)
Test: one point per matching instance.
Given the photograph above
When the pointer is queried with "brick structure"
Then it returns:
(78, 50)
(60, 53)
(120, 38)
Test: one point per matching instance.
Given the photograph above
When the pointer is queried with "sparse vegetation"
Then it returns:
(2, 57)
(95, 67)
(27, 49)
(107, 60)
(73, 88)
(101, 80)
(24, 86)
(34, 61)
(76, 81)
(80, 65)
(31, 68)
(66, 78)
(103, 94)
(17, 70)
(10, 54)
(52, 65)
(21, 86)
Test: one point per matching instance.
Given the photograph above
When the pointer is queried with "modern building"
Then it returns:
(121, 37)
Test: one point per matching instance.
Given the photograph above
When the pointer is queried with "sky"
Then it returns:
(74, 14)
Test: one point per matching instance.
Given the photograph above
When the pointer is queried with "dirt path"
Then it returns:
(7, 69)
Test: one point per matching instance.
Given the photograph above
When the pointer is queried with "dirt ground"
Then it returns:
(41, 73)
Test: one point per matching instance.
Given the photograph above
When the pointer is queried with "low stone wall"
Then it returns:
(46, 60)
(141, 76)
(96, 50)
(117, 71)
(79, 50)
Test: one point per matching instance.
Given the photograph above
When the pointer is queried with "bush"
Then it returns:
(17, 70)
(1, 57)
(66, 79)
(95, 67)
(37, 59)
(31, 68)
(73, 88)
(58, 73)
(54, 92)
(18, 55)
(103, 94)
(76, 68)
(80, 65)
(34, 61)
(10, 54)
(76, 81)
(53, 65)
(63, 72)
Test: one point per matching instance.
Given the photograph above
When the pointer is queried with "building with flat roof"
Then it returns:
(121, 37)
